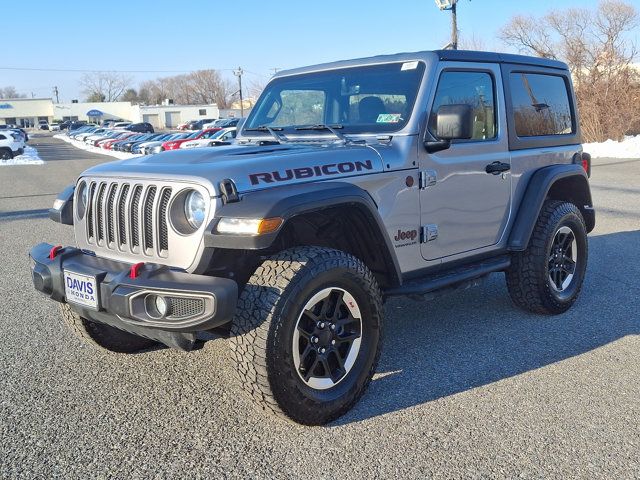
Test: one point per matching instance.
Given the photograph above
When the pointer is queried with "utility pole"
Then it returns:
(454, 25)
(55, 91)
(238, 73)
(451, 5)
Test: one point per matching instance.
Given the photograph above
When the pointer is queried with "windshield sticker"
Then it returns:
(409, 66)
(389, 118)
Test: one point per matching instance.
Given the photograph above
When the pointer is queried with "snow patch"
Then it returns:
(91, 148)
(627, 148)
(29, 157)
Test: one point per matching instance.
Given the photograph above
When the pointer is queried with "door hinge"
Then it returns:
(428, 178)
(429, 233)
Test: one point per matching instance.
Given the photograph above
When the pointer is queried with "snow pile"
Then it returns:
(91, 148)
(628, 148)
(29, 157)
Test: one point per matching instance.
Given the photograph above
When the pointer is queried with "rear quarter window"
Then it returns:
(540, 105)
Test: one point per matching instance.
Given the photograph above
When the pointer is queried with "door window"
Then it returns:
(472, 88)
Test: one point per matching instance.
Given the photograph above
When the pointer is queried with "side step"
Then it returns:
(454, 279)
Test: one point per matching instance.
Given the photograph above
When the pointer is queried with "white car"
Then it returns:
(120, 125)
(11, 144)
(223, 135)
(54, 127)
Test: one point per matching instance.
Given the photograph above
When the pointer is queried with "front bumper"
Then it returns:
(122, 300)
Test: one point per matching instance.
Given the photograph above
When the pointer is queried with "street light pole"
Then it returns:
(451, 5)
(238, 73)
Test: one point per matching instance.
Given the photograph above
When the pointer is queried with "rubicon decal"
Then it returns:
(309, 172)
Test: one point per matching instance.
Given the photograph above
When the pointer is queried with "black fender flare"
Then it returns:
(64, 214)
(290, 201)
(561, 182)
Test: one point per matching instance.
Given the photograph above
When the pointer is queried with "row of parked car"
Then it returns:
(207, 123)
(124, 140)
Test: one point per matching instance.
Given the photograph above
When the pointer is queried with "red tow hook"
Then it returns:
(54, 251)
(135, 270)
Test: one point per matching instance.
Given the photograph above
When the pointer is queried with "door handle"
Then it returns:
(496, 168)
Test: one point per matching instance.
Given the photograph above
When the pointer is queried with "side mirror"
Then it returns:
(453, 122)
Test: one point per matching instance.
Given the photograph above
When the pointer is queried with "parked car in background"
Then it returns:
(76, 125)
(120, 124)
(175, 144)
(182, 126)
(156, 145)
(224, 123)
(142, 127)
(54, 127)
(220, 137)
(11, 144)
(43, 125)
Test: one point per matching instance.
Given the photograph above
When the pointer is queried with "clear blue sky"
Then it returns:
(259, 35)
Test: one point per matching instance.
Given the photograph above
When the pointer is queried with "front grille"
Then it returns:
(180, 307)
(128, 217)
(129, 220)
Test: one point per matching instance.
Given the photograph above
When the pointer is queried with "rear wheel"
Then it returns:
(547, 277)
(5, 154)
(103, 336)
(307, 333)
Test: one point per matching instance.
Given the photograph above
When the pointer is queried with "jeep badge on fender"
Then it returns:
(290, 239)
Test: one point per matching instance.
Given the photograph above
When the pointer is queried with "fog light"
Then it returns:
(156, 306)
(161, 306)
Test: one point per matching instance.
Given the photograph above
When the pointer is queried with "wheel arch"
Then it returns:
(325, 214)
(558, 182)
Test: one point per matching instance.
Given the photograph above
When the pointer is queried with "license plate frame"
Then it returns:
(81, 289)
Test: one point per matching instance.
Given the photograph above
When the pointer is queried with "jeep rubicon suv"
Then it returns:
(409, 174)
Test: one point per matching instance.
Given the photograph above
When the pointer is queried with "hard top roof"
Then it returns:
(443, 55)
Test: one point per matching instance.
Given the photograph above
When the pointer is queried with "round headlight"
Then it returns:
(83, 199)
(195, 209)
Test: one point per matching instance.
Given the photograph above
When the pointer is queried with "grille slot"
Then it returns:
(92, 190)
(180, 307)
(148, 218)
(99, 212)
(111, 231)
(135, 224)
(164, 230)
(122, 215)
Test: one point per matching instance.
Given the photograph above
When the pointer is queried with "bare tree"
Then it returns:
(10, 92)
(596, 46)
(108, 86)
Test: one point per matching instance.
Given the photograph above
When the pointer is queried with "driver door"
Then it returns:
(464, 209)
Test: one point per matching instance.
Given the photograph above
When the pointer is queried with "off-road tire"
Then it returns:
(6, 154)
(528, 276)
(103, 336)
(267, 314)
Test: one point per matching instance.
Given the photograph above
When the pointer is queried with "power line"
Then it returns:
(79, 70)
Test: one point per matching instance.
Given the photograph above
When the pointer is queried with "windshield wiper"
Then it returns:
(332, 128)
(279, 137)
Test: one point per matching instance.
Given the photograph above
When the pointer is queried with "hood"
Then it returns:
(251, 167)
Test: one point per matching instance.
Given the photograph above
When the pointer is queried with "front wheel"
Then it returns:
(547, 277)
(307, 333)
(5, 154)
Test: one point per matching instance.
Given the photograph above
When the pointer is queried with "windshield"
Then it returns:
(376, 98)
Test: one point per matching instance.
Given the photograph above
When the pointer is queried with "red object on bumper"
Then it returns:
(54, 251)
(135, 270)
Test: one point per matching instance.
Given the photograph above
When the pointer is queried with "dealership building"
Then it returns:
(27, 112)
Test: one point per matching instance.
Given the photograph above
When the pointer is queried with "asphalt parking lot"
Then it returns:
(467, 386)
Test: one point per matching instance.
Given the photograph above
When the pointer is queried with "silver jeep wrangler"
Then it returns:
(410, 174)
